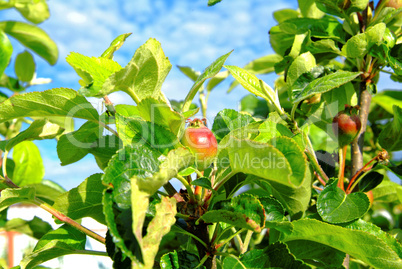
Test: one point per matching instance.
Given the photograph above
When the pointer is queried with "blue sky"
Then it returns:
(191, 34)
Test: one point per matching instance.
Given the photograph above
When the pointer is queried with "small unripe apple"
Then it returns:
(346, 125)
(202, 142)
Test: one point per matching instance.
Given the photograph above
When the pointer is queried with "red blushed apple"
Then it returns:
(202, 142)
(346, 125)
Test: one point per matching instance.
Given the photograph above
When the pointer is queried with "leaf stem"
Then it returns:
(341, 174)
(204, 259)
(132, 94)
(246, 242)
(223, 180)
(91, 252)
(4, 163)
(313, 159)
(63, 218)
(104, 125)
(230, 238)
(188, 187)
(352, 183)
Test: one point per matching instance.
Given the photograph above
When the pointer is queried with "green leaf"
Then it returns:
(119, 221)
(63, 241)
(38, 130)
(203, 182)
(48, 191)
(254, 106)
(359, 244)
(285, 14)
(143, 76)
(189, 72)
(250, 82)
(216, 80)
(84, 200)
(274, 211)
(340, 7)
(142, 164)
(308, 9)
(25, 66)
(94, 71)
(264, 160)
(132, 160)
(391, 136)
(359, 45)
(276, 255)
(159, 112)
(370, 181)
(132, 130)
(387, 99)
(10, 83)
(361, 225)
(280, 41)
(35, 228)
(209, 72)
(282, 167)
(66, 234)
(6, 50)
(243, 211)
(319, 255)
(176, 160)
(128, 111)
(301, 64)
(54, 102)
(34, 11)
(228, 120)
(263, 65)
(387, 192)
(33, 38)
(273, 127)
(157, 228)
(323, 84)
(29, 168)
(213, 2)
(74, 146)
(115, 45)
(326, 27)
(14, 196)
(334, 206)
(180, 260)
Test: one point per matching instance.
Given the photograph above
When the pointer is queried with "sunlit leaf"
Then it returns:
(84, 200)
(358, 244)
(54, 102)
(33, 38)
(6, 49)
(29, 168)
(391, 136)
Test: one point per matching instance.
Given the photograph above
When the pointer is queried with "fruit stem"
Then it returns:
(341, 174)
(109, 105)
(313, 160)
(381, 156)
(246, 242)
(187, 186)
